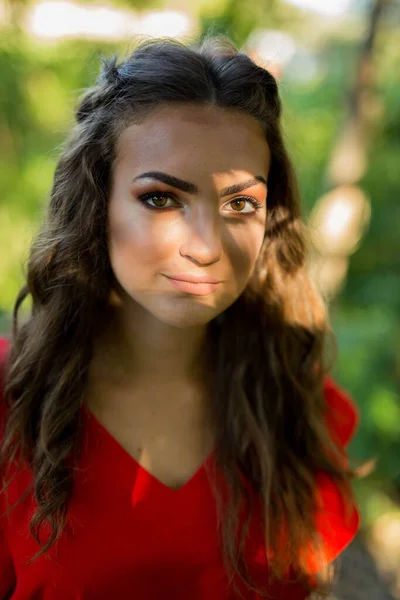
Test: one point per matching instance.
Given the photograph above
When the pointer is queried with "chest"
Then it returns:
(166, 431)
(128, 536)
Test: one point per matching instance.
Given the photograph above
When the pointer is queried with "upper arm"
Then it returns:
(337, 516)
(7, 573)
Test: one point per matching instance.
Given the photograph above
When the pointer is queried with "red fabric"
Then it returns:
(130, 536)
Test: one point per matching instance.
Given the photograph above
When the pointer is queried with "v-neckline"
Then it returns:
(131, 460)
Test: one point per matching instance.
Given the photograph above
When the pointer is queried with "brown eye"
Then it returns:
(238, 204)
(245, 205)
(159, 200)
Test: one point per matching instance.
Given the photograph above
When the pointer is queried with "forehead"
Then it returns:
(197, 137)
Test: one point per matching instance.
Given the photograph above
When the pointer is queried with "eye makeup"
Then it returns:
(149, 196)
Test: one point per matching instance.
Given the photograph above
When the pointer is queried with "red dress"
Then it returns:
(130, 536)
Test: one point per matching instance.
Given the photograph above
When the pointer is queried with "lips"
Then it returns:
(196, 288)
(194, 278)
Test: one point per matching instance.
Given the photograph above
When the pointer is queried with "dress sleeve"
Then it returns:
(7, 573)
(337, 520)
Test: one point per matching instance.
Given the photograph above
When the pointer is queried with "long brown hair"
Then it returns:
(267, 350)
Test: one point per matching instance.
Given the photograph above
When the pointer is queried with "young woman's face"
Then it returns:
(174, 212)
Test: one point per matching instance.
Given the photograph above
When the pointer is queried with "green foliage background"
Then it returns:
(40, 85)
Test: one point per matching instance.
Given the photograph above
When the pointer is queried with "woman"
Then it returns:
(169, 426)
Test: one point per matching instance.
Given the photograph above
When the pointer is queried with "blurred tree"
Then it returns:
(237, 19)
(344, 201)
(16, 10)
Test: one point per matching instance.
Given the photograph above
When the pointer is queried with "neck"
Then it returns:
(139, 349)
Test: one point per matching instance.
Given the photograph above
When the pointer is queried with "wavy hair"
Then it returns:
(267, 350)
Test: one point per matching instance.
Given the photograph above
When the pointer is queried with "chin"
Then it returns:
(186, 315)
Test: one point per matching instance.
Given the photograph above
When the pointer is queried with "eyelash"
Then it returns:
(144, 197)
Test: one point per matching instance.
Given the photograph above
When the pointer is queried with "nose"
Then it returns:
(203, 244)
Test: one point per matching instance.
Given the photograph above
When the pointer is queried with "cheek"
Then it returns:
(243, 248)
(137, 241)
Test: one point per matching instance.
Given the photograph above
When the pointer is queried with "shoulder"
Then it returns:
(4, 349)
(4, 345)
(342, 415)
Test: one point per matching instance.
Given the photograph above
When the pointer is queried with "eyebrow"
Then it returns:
(191, 188)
